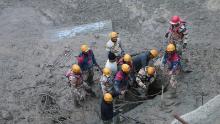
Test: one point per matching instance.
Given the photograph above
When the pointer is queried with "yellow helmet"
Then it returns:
(125, 68)
(127, 58)
(84, 48)
(108, 97)
(150, 70)
(113, 35)
(106, 72)
(75, 69)
(154, 53)
(170, 48)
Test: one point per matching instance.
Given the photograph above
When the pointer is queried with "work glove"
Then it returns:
(123, 92)
(167, 34)
(184, 45)
(144, 86)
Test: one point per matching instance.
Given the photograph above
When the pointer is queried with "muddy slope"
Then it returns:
(32, 68)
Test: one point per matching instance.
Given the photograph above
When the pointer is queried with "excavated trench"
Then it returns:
(33, 84)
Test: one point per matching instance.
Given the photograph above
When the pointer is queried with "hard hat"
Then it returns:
(125, 68)
(154, 53)
(170, 48)
(113, 35)
(106, 72)
(127, 58)
(150, 70)
(174, 20)
(75, 69)
(108, 97)
(84, 48)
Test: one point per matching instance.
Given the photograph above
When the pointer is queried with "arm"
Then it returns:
(103, 87)
(164, 61)
(153, 78)
(102, 80)
(93, 58)
(138, 79)
(116, 87)
(120, 45)
(72, 81)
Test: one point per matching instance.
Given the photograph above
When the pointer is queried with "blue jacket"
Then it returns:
(141, 60)
(106, 110)
(121, 82)
(86, 61)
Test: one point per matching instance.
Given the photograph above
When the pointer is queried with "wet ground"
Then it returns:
(33, 64)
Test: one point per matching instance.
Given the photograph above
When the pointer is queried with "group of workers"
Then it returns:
(123, 70)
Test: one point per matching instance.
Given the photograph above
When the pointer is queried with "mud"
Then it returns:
(32, 65)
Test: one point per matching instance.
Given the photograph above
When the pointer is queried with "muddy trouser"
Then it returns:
(88, 76)
(108, 122)
(78, 95)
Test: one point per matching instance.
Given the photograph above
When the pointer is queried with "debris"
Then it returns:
(6, 115)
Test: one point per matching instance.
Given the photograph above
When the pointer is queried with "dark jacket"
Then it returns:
(141, 60)
(106, 111)
(121, 83)
(86, 61)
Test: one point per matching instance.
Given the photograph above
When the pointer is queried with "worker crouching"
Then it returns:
(145, 77)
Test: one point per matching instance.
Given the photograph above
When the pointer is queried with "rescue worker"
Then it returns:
(111, 64)
(126, 59)
(79, 87)
(114, 45)
(86, 60)
(142, 60)
(145, 77)
(107, 109)
(172, 59)
(106, 81)
(177, 33)
(121, 80)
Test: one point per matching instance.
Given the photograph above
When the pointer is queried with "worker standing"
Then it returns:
(107, 109)
(111, 64)
(126, 59)
(79, 87)
(114, 45)
(121, 81)
(86, 61)
(172, 59)
(142, 60)
(106, 81)
(177, 33)
(145, 77)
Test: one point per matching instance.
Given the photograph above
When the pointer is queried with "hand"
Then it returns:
(184, 45)
(166, 35)
(170, 72)
(144, 86)
(123, 92)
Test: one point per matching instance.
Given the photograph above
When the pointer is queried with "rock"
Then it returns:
(160, 20)
(61, 65)
(49, 75)
(14, 77)
(37, 65)
(168, 110)
(37, 52)
(45, 46)
(6, 115)
(40, 82)
(169, 103)
(37, 74)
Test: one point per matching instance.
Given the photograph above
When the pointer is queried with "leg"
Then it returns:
(90, 76)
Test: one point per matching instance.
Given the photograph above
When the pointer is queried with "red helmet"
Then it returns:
(174, 20)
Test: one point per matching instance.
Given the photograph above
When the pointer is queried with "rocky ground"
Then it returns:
(32, 64)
